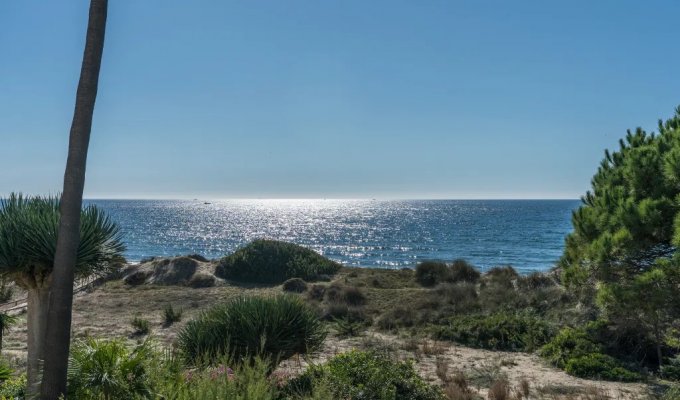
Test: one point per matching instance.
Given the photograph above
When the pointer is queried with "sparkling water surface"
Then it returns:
(527, 234)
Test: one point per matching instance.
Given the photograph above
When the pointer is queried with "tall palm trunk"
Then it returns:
(38, 303)
(61, 299)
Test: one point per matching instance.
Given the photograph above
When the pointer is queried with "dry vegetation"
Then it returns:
(361, 296)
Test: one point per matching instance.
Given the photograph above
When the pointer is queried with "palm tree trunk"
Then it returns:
(38, 303)
(58, 333)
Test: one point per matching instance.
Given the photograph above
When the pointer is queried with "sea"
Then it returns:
(527, 234)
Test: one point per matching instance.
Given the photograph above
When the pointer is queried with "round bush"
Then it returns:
(430, 273)
(295, 285)
(358, 375)
(567, 344)
(462, 271)
(244, 328)
(272, 261)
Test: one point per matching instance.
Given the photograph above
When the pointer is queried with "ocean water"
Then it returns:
(527, 234)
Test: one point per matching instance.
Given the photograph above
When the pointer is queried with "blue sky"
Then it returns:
(358, 99)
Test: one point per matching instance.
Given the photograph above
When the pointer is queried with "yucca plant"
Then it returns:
(170, 315)
(28, 239)
(274, 328)
(107, 369)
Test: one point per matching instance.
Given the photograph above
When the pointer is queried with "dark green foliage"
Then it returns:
(671, 370)
(536, 280)
(462, 271)
(503, 276)
(5, 370)
(600, 366)
(430, 273)
(272, 327)
(623, 247)
(567, 344)
(170, 315)
(107, 369)
(511, 332)
(295, 285)
(28, 237)
(140, 325)
(357, 375)
(272, 261)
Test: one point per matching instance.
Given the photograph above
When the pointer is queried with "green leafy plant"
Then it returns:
(140, 325)
(274, 328)
(272, 261)
(13, 388)
(242, 382)
(358, 375)
(513, 332)
(567, 344)
(107, 369)
(170, 315)
(600, 366)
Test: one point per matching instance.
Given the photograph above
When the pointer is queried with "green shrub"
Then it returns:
(567, 344)
(502, 275)
(461, 297)
(462, 271)
(13, 388)
(600, 366)
(140, 325)
(672, 393)
(535, 280)
(511, 332)
(430, 273)
(671, 370)
(170, 315)
(349, 295)
(295, 285)
(107, 369)
(243, 382)
(358, 375)
(272, 261)
(272, 327)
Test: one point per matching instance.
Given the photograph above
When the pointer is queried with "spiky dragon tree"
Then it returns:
(28, 239)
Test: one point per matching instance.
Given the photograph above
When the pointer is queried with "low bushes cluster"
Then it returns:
(431, 273)
(272, 261)
(358, 375)
(274, 328)
(671, 370)
(575, 351)
(600, 366)
(510, 332)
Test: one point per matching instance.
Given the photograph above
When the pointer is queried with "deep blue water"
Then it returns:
(528, 234)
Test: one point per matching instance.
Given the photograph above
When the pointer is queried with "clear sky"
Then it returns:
(359, 99)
